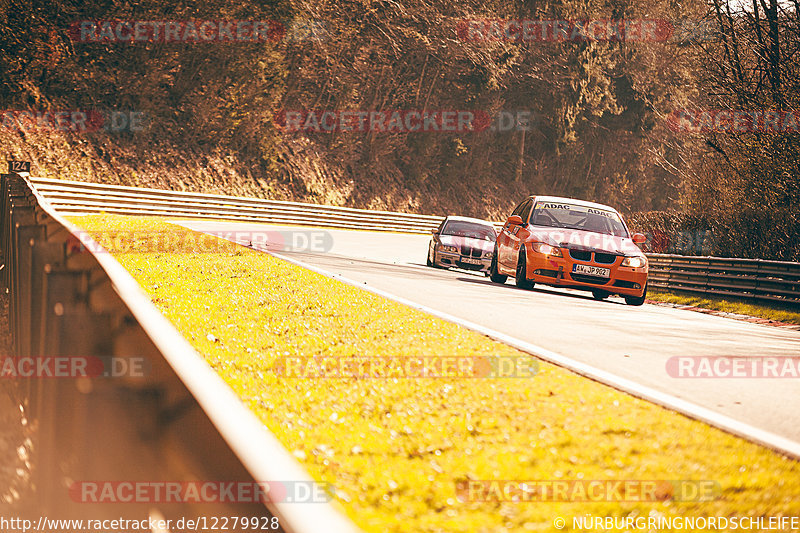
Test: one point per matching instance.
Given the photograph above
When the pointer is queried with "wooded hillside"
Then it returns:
(612, 120)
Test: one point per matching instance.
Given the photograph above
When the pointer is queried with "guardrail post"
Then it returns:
(758, 276)
(20, 216)
(61, 290)
(43, 255)
(668, 271)
(26, 237)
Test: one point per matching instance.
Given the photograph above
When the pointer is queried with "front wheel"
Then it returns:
(598, 294)
(431, 260)
(521, 275)
(637, 300)
(494, 275)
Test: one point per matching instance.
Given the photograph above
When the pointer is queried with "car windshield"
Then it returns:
(460, 228)
(571, 216)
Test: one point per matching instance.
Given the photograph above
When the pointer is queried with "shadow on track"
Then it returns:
(542, 289)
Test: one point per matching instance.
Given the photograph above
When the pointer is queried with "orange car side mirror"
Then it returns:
(515, 220)
(638, 238)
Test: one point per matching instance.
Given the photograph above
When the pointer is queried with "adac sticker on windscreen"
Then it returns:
(577, 209)
(555, 206)
(602, 213)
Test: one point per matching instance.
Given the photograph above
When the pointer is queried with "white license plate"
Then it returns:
(470, 261)
(592, 271)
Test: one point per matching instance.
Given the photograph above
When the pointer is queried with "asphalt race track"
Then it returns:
(630, 342)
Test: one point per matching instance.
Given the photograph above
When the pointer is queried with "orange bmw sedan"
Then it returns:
(565, 242)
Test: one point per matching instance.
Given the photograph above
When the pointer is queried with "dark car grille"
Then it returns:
(606, 259)
(471, 252)
(599, 257)
(581, 255)
(583, 278)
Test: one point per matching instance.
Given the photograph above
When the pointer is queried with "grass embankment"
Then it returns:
(396, 448)
(776, 312)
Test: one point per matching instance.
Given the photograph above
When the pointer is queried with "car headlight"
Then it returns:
(450, 249)
(546, 249)
(636, 261)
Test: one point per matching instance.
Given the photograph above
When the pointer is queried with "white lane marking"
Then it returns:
(720, 421)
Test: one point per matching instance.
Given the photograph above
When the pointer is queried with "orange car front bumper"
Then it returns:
(559, 271)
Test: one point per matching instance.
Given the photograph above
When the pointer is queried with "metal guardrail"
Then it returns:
(177, 422)
(759, 280)
(756, 279)
(71, 197)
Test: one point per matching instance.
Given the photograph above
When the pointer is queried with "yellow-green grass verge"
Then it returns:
(776, 311)
(395, 448)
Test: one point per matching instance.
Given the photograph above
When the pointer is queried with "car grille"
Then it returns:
(580, 255)
(606, 259)
(599, 257)
(583, 278)
(625, 284)
(471, 252)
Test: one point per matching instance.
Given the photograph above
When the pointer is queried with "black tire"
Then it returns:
(599, 294)
(428, 258)
(521, 277)
(494, 275)
(634, 300)
(432, 263)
